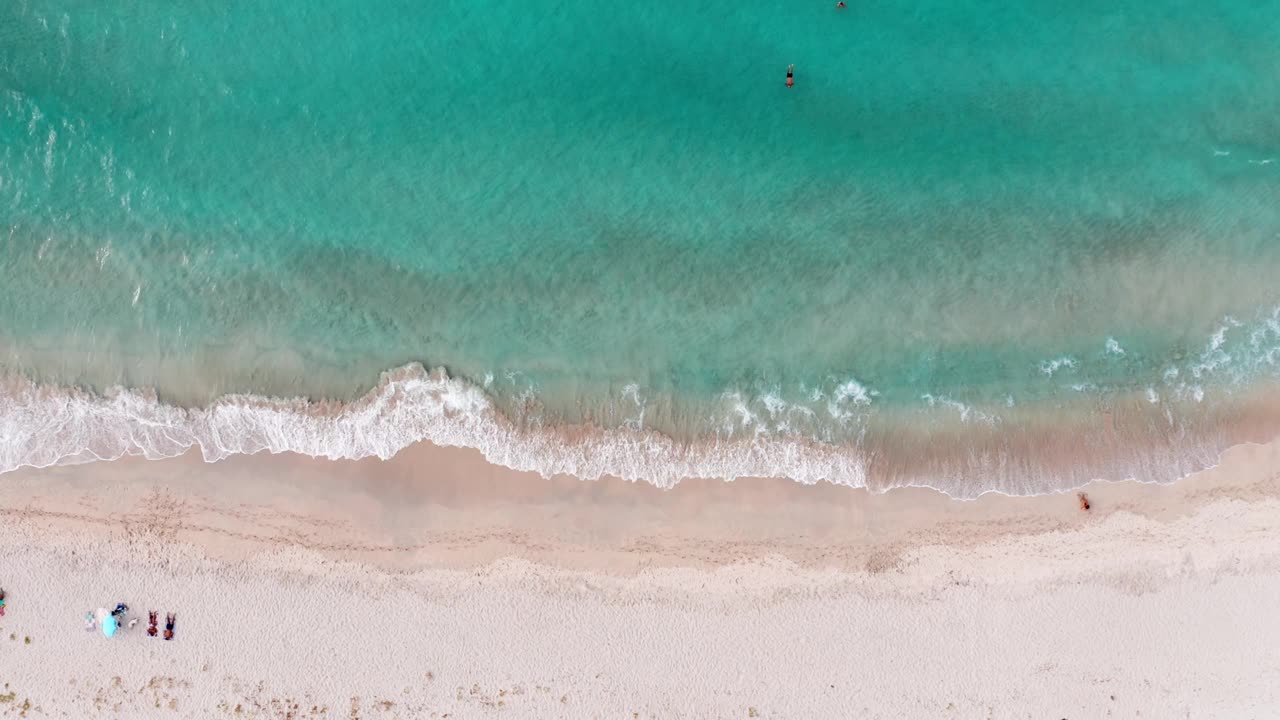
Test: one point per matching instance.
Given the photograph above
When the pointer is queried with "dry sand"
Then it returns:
(436, 585)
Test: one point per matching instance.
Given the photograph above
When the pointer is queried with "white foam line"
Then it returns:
(42, 426)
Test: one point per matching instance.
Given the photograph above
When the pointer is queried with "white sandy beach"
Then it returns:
(435, 585)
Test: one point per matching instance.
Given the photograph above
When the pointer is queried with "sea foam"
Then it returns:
(42, 426)
(46, 425)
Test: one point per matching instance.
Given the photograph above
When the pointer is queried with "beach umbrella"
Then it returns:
(109, 626)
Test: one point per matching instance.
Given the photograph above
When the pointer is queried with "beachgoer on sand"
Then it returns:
(1084, 501)
(152, 629)
(169, 621)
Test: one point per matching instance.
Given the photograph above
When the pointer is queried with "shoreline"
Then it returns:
(497, 591)
(1027, 453)
(398, 514)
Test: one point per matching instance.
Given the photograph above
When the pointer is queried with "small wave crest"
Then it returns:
(1049, 367)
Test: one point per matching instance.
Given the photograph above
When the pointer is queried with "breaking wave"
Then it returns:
(43, 425)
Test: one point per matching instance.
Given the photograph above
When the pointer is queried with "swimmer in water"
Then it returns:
(840, 5)
(791, 72)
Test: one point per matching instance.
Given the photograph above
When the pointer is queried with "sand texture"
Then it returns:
(435, 585)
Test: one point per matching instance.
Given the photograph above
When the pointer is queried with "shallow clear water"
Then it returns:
(622, 215)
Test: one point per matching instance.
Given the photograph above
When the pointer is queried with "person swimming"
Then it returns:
(791, 72)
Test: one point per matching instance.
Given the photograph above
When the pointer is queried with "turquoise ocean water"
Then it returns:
(964, 221)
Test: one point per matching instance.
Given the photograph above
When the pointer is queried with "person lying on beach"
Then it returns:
(152, 629)
(169, 620)
(1084, 501)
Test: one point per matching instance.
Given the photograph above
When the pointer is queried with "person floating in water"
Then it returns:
(791, 73)
(840, 5)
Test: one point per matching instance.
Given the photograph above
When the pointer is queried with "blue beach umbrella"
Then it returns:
(109, 626)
